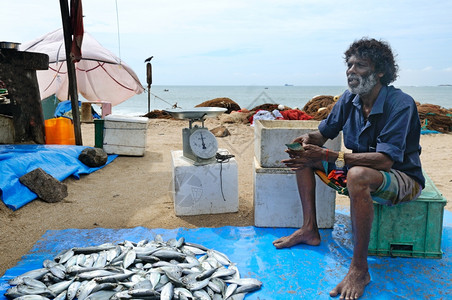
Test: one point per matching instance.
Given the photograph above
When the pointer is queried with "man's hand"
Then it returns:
(313, 138)
(309, 157)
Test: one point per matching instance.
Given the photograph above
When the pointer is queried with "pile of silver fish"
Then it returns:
(149, 269)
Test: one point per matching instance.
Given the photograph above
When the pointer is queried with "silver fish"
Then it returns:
(129, 258)
(230, 290)
(33, 282)
(32, 297)
(201, 295)
(86, 290)
(93, 249)
(65, 256)
(59, 287)
(72, 290)
(167, 291)
(101, 295)
(220, 257)
(183, 292)
(61, 296)
(197, 285)
(152, 269)
(35, 274)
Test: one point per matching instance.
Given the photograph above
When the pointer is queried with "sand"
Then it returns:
(136, 191)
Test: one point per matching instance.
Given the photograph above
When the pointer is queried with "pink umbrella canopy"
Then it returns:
(101, 76)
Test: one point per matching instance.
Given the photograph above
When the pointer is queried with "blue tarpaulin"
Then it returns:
(301, 272)
(60, 161)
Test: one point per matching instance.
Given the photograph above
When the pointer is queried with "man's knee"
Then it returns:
(363, 177)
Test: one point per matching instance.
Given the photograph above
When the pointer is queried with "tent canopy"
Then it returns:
(101, 76)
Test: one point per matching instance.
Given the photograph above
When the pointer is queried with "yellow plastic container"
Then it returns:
(59, 131)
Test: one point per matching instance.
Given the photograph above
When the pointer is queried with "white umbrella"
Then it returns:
(101, 76)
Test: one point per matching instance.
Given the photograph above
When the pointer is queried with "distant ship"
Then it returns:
(288, 84)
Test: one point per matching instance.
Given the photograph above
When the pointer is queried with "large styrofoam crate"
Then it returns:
(412, 229)
(277, 202)
(204, 189)
(270, 137)
(125, 135)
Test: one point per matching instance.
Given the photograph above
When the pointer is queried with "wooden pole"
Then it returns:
(149, 81)
(73, 94)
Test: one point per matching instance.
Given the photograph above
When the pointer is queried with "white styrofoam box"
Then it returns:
(277, 202)
(206, 189)
(270, 137)
(125, 135)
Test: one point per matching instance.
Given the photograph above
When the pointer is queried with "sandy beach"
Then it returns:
(136, 191)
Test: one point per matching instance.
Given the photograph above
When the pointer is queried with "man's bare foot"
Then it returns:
(301, 236)
(352, 286)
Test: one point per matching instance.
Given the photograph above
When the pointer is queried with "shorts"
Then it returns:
(397, 187)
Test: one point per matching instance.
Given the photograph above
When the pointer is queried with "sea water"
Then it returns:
(167, 97)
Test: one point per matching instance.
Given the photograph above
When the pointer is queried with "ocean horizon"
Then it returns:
(188, 96)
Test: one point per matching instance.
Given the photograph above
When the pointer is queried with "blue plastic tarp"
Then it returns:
(301, 272)
(60, 161)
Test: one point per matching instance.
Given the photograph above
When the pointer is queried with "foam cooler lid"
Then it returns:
(122, 118)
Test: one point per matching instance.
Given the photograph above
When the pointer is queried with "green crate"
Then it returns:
(412, 229)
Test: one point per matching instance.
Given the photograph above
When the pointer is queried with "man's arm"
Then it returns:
(374, 160)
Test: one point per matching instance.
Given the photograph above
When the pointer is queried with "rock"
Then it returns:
(220, 131)
(93, 157)
(44, 185)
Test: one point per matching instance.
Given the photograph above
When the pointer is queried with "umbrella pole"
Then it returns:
(71, 71)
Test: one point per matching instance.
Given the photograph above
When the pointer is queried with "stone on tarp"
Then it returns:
(220, 131)
(93, 157)
(47, 187)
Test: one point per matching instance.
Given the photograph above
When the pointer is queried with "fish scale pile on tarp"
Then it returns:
(301, 272)
(144, 270)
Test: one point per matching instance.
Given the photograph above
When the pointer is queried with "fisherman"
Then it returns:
(381, 127)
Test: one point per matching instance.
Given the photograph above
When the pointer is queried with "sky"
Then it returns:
(252, 42)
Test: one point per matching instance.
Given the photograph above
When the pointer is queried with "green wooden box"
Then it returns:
(412, 229)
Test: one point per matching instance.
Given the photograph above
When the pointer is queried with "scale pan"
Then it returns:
(197, 113)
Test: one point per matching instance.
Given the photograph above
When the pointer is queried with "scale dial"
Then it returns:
(203, 143)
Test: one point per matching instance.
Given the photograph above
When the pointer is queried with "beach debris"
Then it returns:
(149, 269)
(47, 187)
(93, 157)
(220, 131)
(227, 103)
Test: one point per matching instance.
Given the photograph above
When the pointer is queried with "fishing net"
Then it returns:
(320, 107)
(435, 117)
(265, 106)
(227, 103)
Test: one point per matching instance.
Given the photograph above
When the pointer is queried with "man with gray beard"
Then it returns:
(381, 127)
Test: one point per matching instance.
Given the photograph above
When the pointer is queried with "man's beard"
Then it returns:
(365, 84)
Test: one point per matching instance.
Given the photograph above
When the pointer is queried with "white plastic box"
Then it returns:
(125, 135)
(206, 189)
(277, 202)
(270, 137)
